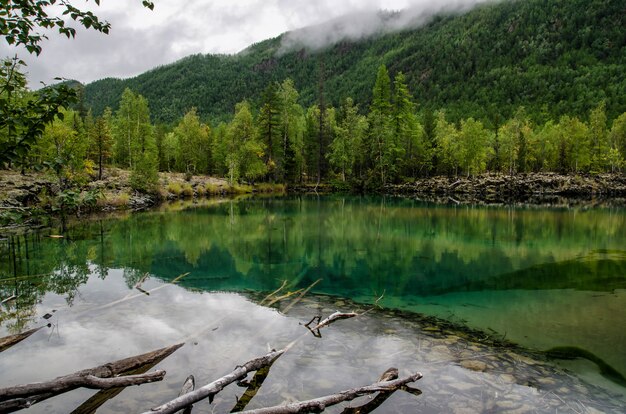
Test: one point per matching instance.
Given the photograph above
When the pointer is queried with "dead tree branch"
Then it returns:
(8, 341)
(216, 386)
(86, 381)
(80, 378)
(273, 294)
(320, 404)
(95, 401)
(299, 298)
(325, 322)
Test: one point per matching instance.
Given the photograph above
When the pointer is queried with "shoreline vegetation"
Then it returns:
(31, 200)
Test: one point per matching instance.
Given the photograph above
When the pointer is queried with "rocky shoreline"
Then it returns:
(534, 189)
(22, 196)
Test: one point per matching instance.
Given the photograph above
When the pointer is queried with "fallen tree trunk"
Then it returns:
(95, 401)
(216, 386)
(317, 405)
(78, 379)
(86, 381)
(8, 341)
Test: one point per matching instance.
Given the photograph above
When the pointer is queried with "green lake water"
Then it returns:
(540, 278)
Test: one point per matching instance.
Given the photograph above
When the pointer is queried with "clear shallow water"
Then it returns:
(541, 278)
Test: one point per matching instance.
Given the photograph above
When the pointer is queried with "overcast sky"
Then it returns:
(141, 39)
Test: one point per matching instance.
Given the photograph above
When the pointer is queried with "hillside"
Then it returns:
(552, 56)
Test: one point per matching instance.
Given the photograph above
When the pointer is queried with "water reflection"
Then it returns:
(542, 278)
(222, 330)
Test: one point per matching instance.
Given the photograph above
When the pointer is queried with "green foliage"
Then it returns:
(382, 140)
(345, 150)
(132, 130)
(193, 149)
(564, 56)
(144, 176)
(24, 115)
(245, 150)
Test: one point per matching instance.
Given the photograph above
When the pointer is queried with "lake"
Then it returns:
(478, 299)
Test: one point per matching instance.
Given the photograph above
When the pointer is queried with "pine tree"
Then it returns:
(382, 145)
(101, 140)
(269, 131)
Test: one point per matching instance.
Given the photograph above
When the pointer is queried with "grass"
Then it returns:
(120, 200)
(270, 188)
(240, 189)
(213, 189)
(175, 188)
(187, 190)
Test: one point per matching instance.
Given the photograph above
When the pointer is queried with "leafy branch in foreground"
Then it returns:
(23, 116)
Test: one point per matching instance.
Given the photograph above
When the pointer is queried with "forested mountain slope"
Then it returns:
(552, 56)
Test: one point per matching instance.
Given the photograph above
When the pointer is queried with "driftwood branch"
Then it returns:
(86, 381)
(325, 322)
(138, 285)
(95, 401)
(72, 381)
(8, 341)
(320, 404)
(216, 386)
(91, 381)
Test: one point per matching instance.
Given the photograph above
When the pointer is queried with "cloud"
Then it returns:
(370, 22)
(140, 39)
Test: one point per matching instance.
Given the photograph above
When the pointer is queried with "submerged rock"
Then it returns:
(474, 365)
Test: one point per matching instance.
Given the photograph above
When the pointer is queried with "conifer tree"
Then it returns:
(382, 143)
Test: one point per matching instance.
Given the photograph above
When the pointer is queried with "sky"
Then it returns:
(141, 39)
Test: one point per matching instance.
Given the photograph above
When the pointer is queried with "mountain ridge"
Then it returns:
(554, 57)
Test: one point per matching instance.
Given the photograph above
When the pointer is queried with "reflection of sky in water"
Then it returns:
(222, 330)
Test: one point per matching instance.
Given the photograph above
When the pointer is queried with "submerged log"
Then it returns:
(252, 389)
(8, 341)
(216, 386)
(317, 405)
(29, 394)
(188, 386)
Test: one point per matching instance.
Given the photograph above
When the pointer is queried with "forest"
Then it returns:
(553, 57)
(280, 141)
(508, 87)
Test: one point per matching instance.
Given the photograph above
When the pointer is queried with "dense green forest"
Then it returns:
(554, 57)
(511, 87)
(281, 141)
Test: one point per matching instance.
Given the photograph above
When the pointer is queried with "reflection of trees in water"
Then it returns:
(358, 245)
(35, 267)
